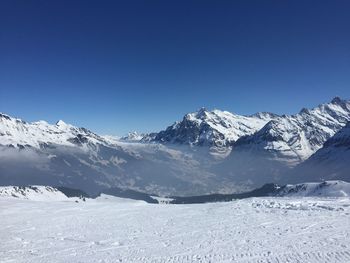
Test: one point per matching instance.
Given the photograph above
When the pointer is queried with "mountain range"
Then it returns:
(205, 152)
(48, 193)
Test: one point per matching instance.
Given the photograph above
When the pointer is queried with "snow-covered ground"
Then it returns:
(33, 193)
(115, 230)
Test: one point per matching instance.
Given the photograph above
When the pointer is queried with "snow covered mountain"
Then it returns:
(341, 140)
(291, 138)
(138, 137)
(64, 155)
(180, 160)
(331, 161)
(20, 134)
(212, 128)
(295, 138)
(47, 193)
(34, 193)
(324, 189)
(270, 154)
(133, 136)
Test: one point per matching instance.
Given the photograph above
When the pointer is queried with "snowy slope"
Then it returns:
(324, 189)
(273, 153)
(340, 141)
(34, 193)
(251, 230)
(213, 128)
(138, 137)
(20, 134)
(295, 138)
(290, 138)
(331, 161)
(120, 200)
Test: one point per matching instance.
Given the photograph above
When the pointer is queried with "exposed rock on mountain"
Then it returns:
(208, 151)
(332, 161)
(212, 128)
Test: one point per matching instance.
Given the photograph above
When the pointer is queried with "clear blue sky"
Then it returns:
(116, 66)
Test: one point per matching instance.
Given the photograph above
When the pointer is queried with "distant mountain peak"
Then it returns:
(255, 149)
(265, 115)
(5, 116)
(344, 104)
(9, 118)
(66, 126)
(133, 136)
(297, 137)
(212, 128)
(341, 138)
(337, 100)
(61, 123)
(202, 110)
(201, 114)
(304, 111)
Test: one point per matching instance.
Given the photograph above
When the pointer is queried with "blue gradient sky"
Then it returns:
(116, 66)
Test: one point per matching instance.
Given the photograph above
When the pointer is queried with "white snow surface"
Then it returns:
(33, 193)
(115, 199)
(250, 230)
(325, 189)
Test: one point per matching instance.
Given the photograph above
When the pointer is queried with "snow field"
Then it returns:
(114, 230)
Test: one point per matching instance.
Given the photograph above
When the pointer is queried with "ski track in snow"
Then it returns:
(250, 230)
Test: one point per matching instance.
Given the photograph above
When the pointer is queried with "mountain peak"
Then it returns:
(202, 109)
(61, 123)
(5, 116)
(65, 126)
(304, 111)
(297, 137)
(133, 136)
(264, 115)
(337, 100)
(202, 112)
(212, 128)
